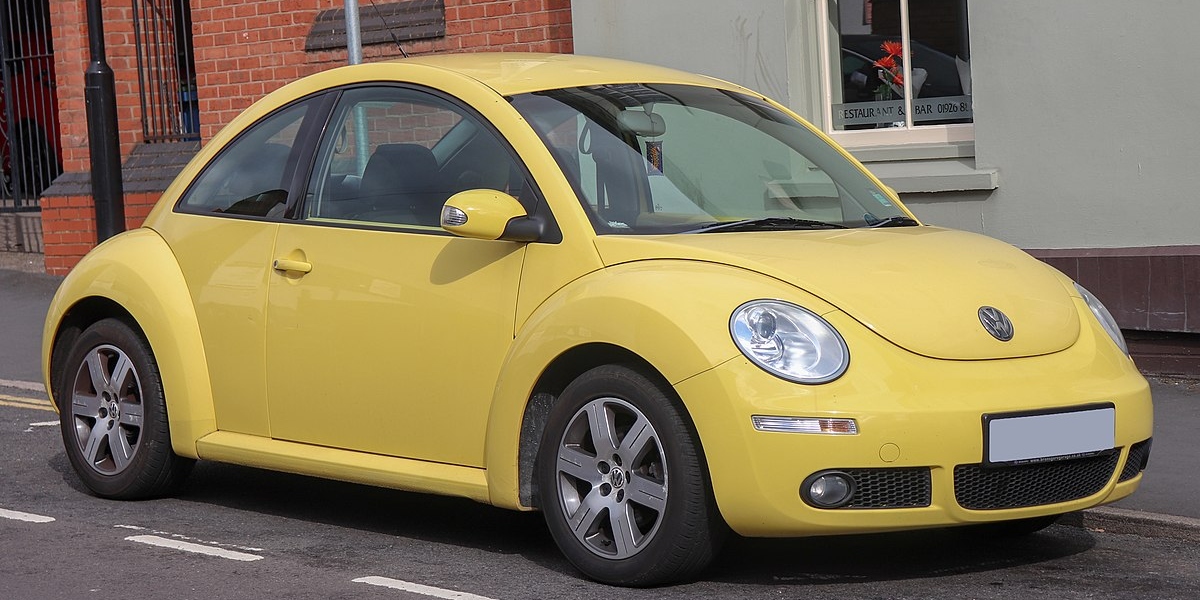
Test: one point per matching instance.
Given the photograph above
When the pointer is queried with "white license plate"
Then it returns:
(1049, 436)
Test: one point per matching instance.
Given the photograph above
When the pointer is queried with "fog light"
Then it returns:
(827, 489)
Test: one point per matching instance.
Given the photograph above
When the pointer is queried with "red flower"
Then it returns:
(898, 79)
(893, 48)
(886, 62)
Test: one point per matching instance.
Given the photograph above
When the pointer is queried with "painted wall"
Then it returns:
(1087, 108)
(762, 45)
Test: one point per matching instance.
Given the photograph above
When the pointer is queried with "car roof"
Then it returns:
(518, 72)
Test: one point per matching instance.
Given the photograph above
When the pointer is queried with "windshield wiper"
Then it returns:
(765, 224)
(897, 221)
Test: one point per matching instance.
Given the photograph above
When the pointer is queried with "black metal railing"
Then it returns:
(30, 149)
(162, 30)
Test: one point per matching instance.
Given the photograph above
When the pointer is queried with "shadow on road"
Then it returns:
(467, 524)
(889, 557)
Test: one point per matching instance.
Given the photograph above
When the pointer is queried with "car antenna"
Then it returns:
(389, 29)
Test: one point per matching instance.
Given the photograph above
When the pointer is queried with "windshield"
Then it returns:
(652, 159)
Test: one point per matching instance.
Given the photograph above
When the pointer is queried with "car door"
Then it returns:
(385, 334)
(223, 236)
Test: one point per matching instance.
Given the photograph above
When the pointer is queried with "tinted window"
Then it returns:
(395, 155)
(251, 176)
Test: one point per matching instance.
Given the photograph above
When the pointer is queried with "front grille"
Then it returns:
(890, 488)
(1139, 456)
(979, 488)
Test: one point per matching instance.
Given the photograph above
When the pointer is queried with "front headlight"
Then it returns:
(1106, 319)
(789, 341)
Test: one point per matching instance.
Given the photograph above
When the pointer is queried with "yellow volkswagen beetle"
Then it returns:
(653, 305)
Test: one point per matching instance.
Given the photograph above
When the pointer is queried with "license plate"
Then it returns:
(1029, 438)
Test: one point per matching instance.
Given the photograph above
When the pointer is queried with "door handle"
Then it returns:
(292, 266)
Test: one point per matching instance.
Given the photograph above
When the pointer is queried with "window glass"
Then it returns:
(252, 175)
(394, 156)
(653, 159)
(899, 53)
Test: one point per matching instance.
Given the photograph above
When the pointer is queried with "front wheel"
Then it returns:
(623, 483)
(114, 417)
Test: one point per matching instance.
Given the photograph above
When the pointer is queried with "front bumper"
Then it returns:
(919, 421)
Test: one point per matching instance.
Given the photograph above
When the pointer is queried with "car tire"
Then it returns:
(623, 484)
(113, 415)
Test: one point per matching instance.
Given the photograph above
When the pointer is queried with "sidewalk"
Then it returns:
(1170, 488)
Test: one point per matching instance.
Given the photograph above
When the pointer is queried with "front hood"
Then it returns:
(919, 287)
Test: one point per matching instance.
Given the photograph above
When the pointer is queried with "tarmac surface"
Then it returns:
(1168, 501)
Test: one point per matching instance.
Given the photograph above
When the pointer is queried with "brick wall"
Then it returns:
(68, 21)
(72, 226)
(243, 50)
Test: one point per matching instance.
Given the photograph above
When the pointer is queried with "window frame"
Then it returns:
(312, 123)
(532, 198)
(935, 136)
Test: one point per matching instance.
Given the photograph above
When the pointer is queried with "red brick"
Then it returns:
(242, 51)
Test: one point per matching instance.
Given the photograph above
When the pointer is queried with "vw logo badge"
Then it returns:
(996, 323)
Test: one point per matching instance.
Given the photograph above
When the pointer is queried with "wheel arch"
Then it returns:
(558, 375)
(134, 277)
(667, 318)
(74, 321)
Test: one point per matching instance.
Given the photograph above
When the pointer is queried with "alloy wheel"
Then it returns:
(107, 410)
(612, 478)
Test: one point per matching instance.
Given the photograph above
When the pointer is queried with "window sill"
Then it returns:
(929, 175)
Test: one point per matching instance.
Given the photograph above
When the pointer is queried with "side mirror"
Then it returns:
(489, 215)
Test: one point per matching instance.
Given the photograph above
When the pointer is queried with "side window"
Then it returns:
(251, 176)
(393, 156)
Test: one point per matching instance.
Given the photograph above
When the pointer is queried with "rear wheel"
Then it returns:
(114, 417)
(623, 487)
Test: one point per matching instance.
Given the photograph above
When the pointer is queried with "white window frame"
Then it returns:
(936, 135)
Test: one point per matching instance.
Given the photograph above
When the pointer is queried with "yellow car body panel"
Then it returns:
(137, 271)
(378, 311)
(236, 311)
(518, 73)
(912, 411)
(345, 465)
(225, 263)
(662, 311)
(911, 274)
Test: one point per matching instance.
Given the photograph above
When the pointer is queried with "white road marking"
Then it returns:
(185, 538)
(44, 424)
(417, 588)
(154, 540)
(31, 386)
(22, 516)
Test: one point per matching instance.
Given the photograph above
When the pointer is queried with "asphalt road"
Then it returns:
(237, 532)
(24, 298)
(274, 535)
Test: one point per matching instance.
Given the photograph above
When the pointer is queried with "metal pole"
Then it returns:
(355, 56)
(104, 141)
(353, 33)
